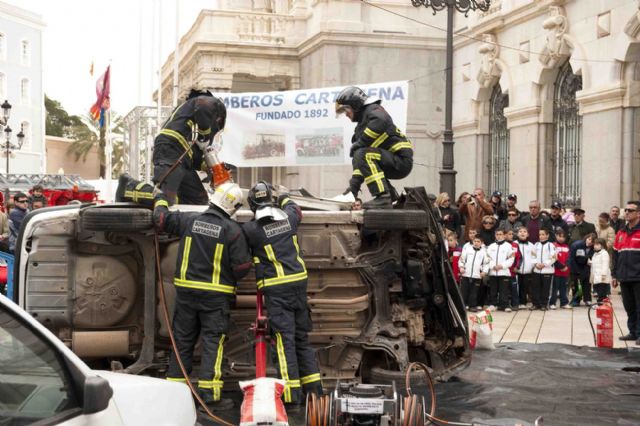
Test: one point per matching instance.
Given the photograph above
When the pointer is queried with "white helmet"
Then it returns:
(228, 197)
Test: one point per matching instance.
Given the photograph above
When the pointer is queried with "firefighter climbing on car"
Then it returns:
(281, 275)
(213, 255)
(380, 151)
(202, 115)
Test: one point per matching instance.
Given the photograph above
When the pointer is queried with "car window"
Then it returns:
(34, 384)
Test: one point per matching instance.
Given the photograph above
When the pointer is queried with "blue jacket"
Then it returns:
(579, 255)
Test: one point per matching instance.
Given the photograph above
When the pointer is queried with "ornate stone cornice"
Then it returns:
(522, 116)
(602, 99)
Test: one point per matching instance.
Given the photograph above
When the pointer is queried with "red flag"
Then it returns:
(102, 93)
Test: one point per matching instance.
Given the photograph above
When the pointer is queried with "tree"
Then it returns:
(58, 122)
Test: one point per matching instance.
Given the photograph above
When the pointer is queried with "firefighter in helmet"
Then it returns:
(380, 150)
(202, 113)
(213, 255)
(281, 274)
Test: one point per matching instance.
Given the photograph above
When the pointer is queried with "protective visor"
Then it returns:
(341, 109)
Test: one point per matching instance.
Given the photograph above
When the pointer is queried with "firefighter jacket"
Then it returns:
(500, 253)
(626, 264)
(528, 257)
(178, 128)
(213, 253)
(600, 267)
(545, 254)
(472, 260)
(376, 130)
(275, 249)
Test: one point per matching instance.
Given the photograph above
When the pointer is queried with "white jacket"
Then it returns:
(528, 261)
(545, 254)
(500, 254)
(600, 270)
(472, 261)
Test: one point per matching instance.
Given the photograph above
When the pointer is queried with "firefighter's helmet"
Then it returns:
(227, 197)
(260, 196)
(354, 98)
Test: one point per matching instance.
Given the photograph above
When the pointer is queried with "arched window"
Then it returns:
(498, 142)
(567, 148)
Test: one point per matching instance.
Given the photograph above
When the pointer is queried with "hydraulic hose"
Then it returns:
(595, 341)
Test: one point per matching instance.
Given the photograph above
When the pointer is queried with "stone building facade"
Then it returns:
(546, 97)
(293, 44)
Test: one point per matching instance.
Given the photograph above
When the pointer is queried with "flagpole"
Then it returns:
(108, 154)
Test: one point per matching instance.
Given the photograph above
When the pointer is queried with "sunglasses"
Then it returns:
(21, 201)
(488, 223)
(630, 210)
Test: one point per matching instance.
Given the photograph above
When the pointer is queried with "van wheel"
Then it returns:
(396, 219)
(116, 219)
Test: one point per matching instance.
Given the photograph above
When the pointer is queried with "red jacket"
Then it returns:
(562, 251)
(626, 255)
(516, 261)
(454, 257)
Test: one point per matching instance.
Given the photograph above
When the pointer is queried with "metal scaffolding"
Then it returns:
(141, 127)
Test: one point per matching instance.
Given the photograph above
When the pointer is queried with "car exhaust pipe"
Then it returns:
(100, 343)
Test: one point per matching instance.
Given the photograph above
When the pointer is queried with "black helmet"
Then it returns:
(352, 97)
(260, 196)
(218, 112)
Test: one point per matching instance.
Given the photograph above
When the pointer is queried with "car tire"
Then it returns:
(402, 220)
(117, 219)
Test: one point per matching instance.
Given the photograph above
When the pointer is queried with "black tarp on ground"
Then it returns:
(516, 383)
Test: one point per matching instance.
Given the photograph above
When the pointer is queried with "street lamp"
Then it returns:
(448, 174)
(7, 144)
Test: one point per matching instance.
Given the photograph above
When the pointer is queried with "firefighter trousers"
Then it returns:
(182, 185)
(204, 313)
(374, 166)
(290, 323)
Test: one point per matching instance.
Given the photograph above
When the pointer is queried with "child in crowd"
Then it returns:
(484, 285)
(471, 262)
(515, 298)
(500, 258)
(600, 270)
(561, 273)
(527, 262)
(543, 271)
(454, 251)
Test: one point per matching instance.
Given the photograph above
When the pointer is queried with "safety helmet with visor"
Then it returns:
(353, 99)
(227, 196)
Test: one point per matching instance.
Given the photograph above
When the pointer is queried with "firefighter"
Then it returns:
(281, 274)
(200, 109)
(213, 255)
(380, 150)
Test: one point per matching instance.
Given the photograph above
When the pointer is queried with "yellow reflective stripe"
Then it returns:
(217, 263)
(374, 178)
(284, 201)
(256, 259)
(205, 384)
(310, 378)
(383, 137)
(140, 185)
(295, 243)
(202, 285)
(282, 363)
(159, 203)
(401, 145)
(178, 137)
(177, 379)
(399, 133)
(371, 133)
(356, 172)
(283, 280)
(293, 383)
(217, 370)
(204, 132)
(370, 157)
(190, 123)
(185, 258)
(136, 195)
(272, 257)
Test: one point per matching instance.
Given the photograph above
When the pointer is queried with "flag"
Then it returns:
(102, 102)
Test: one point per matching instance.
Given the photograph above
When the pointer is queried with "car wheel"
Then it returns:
(395, 219)
(116, 219)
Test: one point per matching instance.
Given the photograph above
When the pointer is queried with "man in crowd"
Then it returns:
(581, 228)
(19, 211)
(512, 222)
(380, 150)
(617, 223)
(499, 211)
(605, 230)
(473, 208)
(534, 221)
(557, 222)
(38, 200)
(512, 200)
(626, 268)
(213, 255)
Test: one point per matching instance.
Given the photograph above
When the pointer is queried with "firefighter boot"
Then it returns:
(131, 190)
(382, 201)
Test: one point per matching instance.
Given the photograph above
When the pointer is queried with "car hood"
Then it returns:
(149, 401)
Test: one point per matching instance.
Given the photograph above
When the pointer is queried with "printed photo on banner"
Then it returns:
(298, 127)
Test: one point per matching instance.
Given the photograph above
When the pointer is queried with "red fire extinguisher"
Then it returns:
(604, 324)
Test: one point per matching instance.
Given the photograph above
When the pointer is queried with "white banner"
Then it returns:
(298, 127)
